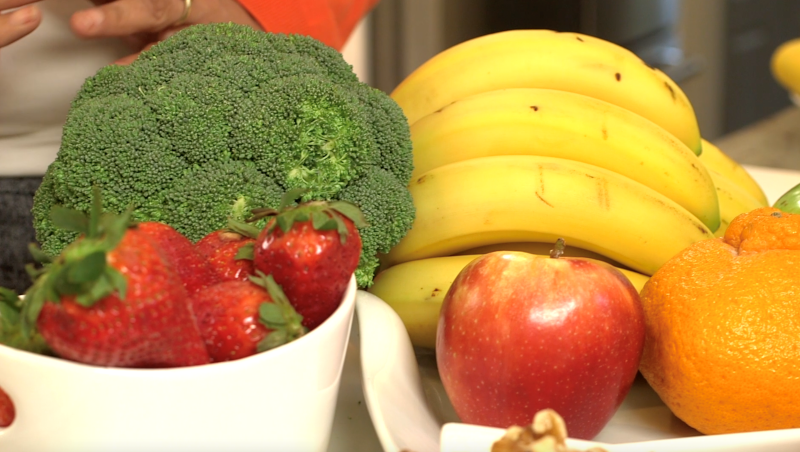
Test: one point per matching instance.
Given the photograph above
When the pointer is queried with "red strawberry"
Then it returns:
(241, 318)
(311, 250)
(111, 299)
(6, 409)
(191, 266)
(220, 248)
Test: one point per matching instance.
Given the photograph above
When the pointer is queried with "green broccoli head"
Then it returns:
(220, 119)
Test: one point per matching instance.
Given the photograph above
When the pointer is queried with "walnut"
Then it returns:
(547, 433)
(548, 422)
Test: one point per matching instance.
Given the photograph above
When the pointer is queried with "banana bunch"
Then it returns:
(785, 65)
(527, 136)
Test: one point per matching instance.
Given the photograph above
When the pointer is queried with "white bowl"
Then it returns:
(281, 400)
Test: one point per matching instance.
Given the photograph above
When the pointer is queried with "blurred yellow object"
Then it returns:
(714, 159)
(733, 201)
(785, 65)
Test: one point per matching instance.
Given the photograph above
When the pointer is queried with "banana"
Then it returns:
(548, 59)
(416, 289)
(534, 121)
(733, 200)
(523, 198)
(785, 65)
(714, 159)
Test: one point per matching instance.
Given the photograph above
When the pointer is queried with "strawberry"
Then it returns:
(192, 267)
(7, 411)
(241, 318)
(111, 298)
(311, 250)
(221, 248)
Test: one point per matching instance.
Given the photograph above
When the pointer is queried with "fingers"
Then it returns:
(8, 4)
(126, 17)
(15, 25)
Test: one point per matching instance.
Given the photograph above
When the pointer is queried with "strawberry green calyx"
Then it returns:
(81, 270)
(324, 215)
(11, 333)
(245, 230)
(279, 316)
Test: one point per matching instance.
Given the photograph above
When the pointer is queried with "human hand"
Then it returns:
(14, 25)
(142, 23)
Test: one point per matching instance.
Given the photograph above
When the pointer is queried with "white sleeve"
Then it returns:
(39, 76)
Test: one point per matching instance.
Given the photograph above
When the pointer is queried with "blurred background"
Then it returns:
(717, 50)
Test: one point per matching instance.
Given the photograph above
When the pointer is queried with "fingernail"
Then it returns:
(90, 20)
(23, 16)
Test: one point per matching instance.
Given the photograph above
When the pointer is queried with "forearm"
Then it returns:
(330, 21)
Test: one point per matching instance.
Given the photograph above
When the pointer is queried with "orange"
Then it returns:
(722, 318)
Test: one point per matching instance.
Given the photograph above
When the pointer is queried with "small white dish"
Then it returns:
(410, 409)
(457, 437)
(471, 438)
(282, 400)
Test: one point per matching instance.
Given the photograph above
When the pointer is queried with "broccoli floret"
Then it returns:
(114, 142)
(194, 205)
(391, 131)
(51, 238)
(389, 211)
(193, 113)
(319, 135)
(221, 118)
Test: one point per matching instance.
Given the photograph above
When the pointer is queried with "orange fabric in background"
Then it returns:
(330, 21)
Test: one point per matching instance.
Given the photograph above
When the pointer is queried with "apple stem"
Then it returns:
(558, 250)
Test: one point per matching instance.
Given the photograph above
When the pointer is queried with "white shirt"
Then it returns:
(39, 76)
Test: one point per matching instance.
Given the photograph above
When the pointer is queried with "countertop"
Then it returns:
(772, 142)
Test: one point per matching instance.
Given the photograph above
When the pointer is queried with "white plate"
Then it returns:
(795, 98)
(410, 410)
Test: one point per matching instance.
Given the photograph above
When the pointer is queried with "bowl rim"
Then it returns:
(342, 315)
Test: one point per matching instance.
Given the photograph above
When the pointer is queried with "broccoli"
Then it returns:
(220, 119)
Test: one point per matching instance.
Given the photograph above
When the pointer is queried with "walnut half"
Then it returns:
(547, 433)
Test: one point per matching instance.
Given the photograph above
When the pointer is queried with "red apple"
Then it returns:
(519, 333)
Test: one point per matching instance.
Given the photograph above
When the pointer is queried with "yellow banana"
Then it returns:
(714, 159)
(523, 198)
(416, 289)
(534, 121)
(547, 59)
(785, 65)
(733, 200)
